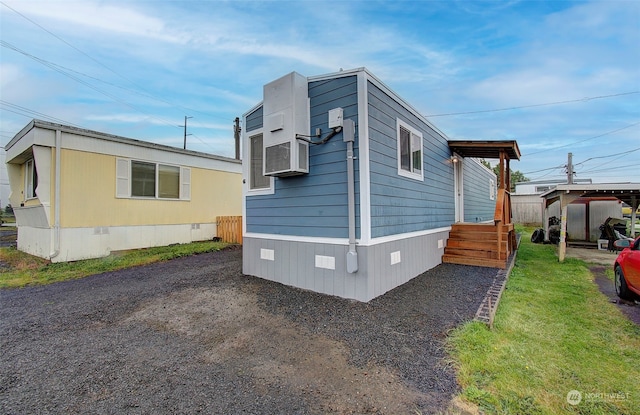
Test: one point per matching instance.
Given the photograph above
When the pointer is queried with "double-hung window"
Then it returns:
(409, 151)
(30, 179)
(258, 183)
(144, 179)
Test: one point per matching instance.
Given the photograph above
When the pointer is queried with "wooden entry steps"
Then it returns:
(479, 244)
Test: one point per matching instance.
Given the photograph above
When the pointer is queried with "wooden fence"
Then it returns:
(229, 229)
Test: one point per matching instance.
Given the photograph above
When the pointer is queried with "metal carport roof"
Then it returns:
(568, 193)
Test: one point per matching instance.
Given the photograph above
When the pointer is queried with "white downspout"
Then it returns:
(348, 136)
(56, 202)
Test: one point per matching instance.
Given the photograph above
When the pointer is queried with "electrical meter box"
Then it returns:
(286, 115)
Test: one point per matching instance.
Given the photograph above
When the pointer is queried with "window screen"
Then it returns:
(143, 179)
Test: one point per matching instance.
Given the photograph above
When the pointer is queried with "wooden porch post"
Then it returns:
(562, 247)
(502, 178)
(507, 173)
(565, 200)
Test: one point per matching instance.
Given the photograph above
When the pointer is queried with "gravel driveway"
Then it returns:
(194, 335)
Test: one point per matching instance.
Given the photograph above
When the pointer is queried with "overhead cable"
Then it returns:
(585, 99)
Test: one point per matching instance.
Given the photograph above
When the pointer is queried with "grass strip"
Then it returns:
(21, 269)
(554, 332)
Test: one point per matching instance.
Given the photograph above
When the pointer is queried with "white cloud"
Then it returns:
(99, 15)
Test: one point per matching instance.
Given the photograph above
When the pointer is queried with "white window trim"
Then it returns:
(413, 131)
(32, 163)
(264, 190)
(124, 180)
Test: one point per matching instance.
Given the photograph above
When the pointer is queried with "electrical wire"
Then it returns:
(603, 157)
(29, 113)
(585, 99)
(612, 168)
(328, 137)
(143, 93)
(582, 141)
(541, 170)
(75, 78)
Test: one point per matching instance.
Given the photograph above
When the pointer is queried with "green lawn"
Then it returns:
(554, 332)
(23, 269)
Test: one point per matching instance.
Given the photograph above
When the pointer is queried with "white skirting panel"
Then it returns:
(34, 241)
(321, 267)
(85, 243)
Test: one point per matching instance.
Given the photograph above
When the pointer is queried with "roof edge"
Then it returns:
(111, 137)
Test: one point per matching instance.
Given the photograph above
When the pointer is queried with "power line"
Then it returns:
(66, 43)
(611, 155)
(75, 78)
(611, 168)
(586, 139)
(144, 93)
(541, 170)
(29, 113)
(585, 99)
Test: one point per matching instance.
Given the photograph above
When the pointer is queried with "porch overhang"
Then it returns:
(484, 244)
(486, 149)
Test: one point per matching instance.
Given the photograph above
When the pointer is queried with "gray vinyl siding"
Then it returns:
(313, 204)
(254, 120)
(478, 206)
(399, 204)
(294, 264)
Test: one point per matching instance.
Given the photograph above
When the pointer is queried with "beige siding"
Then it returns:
(527, 209)
(88, 196)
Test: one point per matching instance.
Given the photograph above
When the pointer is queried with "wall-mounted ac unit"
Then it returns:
(286, 114)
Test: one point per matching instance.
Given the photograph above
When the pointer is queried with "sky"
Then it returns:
(557, 76)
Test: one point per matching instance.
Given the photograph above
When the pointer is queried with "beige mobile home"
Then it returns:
(81, 194)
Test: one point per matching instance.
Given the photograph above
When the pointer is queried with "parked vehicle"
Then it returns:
(627, 268)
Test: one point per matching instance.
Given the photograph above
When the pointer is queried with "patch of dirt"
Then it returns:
(276, 352)
(631, 309)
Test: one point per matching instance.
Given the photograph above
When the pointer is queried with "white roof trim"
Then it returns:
(113, 138)
(593, 187)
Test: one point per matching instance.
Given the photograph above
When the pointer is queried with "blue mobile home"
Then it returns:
(348, 190)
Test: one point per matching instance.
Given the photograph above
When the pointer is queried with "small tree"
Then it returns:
(516, 176)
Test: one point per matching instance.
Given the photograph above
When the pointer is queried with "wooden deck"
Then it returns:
(483, 244)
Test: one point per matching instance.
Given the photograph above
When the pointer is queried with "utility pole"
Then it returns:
(570, 168)
(185, 131)
(236, 136)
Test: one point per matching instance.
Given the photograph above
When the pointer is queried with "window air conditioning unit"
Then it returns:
(286, 114)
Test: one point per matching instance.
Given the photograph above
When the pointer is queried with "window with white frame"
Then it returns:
(145, 179)
(257, 181)
(30, 179)
(409, 151)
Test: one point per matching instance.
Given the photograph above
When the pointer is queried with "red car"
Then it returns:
(627, 268)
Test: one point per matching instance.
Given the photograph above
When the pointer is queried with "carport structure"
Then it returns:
(569, 193)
